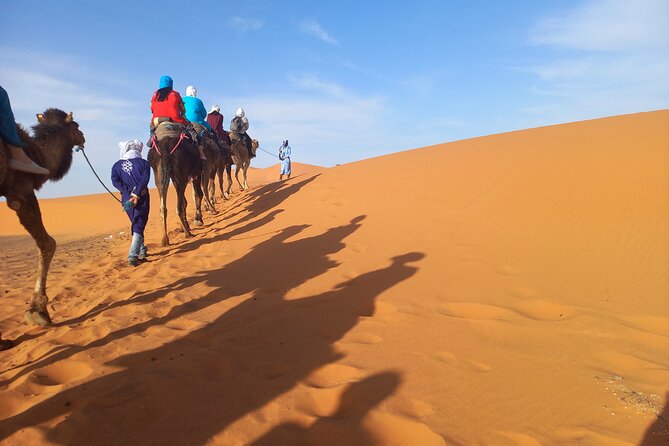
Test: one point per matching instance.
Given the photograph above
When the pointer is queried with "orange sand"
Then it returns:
(504, 290)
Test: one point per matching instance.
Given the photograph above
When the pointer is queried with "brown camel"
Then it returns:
(51, 146)
(175, 156)
(240, 156)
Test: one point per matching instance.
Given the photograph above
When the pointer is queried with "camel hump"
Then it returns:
(169, 130)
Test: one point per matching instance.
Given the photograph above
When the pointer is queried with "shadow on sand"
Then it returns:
(190, 389)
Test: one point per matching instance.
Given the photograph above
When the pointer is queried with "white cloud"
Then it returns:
(246, 24)
(312, 83)
(612, 59)
(313, 28)
(607, 25)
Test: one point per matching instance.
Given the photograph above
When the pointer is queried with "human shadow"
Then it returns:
(188, 390)
(657, 433)
(345, 426)
(310, 259)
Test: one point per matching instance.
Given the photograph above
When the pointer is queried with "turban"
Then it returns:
(131, 149)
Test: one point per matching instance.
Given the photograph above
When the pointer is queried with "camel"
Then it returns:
(240, 156)
(55, 135)
(174, 156)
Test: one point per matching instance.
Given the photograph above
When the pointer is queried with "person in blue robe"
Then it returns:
(131, 175)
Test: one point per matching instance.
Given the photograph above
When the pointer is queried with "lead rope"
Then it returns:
(81, 149)
(268, 152)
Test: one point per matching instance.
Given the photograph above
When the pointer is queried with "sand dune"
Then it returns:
(503, 290)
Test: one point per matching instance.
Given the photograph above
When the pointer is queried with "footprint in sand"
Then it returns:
(332, 375)
(413, 408)
(543, 310)
(52, 377)
(525, 292)
(465, 310)
(462, 364)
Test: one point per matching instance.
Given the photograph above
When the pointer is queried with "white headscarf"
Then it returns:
(215, 108)
(240, 112)
(131, 149)
(191, 91)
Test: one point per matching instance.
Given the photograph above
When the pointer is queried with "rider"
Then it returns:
(195, 111)
(239, 125)
(215, 120)
(18, 159)
(167, 103)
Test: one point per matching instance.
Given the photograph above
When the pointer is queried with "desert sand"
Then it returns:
(511, 289)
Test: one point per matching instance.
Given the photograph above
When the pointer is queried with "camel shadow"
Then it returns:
(234, 279)
(261, 200)
(345, 426)
(191, 389)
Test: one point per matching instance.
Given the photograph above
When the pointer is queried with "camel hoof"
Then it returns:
(6, 344)
(35, 317)
(198, 222)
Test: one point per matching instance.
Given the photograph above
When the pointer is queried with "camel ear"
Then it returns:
(40, 117)
(68, 119)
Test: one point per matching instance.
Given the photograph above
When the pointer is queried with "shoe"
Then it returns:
(142, 256)
(27, 167)
(133, 262)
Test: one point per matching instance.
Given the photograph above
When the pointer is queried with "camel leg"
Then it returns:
(237, 169)
(208, 204)
(246, 183)
(219, 174)
(228, 173)
(163, 216)
(182, 203)
(162, 181)
(28, 211)
(162, 193)
(197, 195)
(212, 185)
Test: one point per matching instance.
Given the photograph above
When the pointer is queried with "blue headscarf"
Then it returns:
(165, 81)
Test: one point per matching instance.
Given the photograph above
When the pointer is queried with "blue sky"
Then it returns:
(344, 80)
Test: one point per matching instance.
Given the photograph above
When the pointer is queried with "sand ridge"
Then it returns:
(508, 289)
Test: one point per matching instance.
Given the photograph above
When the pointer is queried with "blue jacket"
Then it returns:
(195, 111)
(132, 177)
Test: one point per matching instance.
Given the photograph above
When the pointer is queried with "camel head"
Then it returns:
(254, 145)
(55, 121)
(57, 133)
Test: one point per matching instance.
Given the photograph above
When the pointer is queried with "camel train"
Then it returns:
(173, 157)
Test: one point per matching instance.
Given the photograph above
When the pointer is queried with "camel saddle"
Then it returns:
(170, 129)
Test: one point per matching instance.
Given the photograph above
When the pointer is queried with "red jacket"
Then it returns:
(169, 108)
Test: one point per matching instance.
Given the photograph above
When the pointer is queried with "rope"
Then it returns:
(77, 149)
(260, 148)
